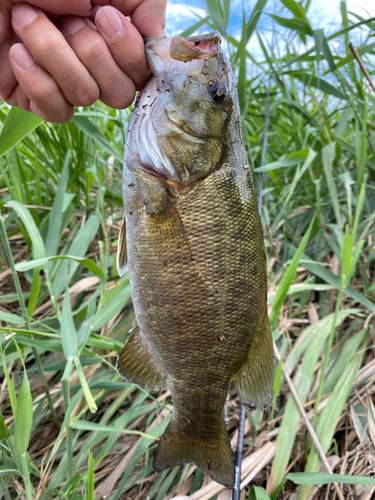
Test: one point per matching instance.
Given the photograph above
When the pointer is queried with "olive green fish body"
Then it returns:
(196, 262)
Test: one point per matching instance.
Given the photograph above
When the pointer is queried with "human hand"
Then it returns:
(66, 60)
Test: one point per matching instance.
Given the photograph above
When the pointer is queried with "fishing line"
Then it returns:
(241, 427)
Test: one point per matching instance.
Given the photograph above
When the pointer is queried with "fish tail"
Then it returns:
(214, 457)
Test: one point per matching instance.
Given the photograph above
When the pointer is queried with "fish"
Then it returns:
(192, 243)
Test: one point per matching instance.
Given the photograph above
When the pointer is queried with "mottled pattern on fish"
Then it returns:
(196, 258)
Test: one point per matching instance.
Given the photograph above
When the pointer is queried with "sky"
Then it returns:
(321, 14)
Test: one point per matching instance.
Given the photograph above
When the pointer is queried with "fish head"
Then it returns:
(182, 115)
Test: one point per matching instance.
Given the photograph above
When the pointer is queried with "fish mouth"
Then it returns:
(164, 52)
(186, 49)
(195, 47)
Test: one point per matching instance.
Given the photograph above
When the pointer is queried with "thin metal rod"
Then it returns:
(238, 462)
(264, 144)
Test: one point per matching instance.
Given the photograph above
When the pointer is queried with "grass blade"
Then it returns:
(56, 215)
(328, 157)
(68, 330)
(288, 277)
(325, 478)
(18, 124)
(31, 228)
(24, 417)
(331, 413)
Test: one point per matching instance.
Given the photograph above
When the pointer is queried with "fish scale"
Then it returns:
(195, 255)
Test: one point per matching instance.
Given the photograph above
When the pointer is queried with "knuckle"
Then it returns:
(92, 55)
(60, 113)
(65, 115)
(118, 100)
(9, 99)
(45, 48)
(87, 94)
(44, 92)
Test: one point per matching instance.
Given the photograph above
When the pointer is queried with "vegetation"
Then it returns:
(70, 428)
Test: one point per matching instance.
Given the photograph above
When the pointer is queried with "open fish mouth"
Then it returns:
(166, 54)
(183, 49)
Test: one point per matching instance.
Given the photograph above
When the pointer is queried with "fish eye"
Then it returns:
(217, 91)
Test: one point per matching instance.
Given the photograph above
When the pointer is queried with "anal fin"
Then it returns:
(254, 380)
(136, 364)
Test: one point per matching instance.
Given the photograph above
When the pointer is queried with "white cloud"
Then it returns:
(362, 7)
(326, 13)
(181, 16)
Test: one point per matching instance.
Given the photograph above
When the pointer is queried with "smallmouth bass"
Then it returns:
(193, 245)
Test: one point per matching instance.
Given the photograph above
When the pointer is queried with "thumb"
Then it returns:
(148, 16)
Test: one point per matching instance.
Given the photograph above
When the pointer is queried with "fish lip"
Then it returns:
(212, 35)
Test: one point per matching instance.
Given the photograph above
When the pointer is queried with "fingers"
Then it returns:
(50, 72)
(148, 16)
(125, 44)
(53, 54)
(37, 90)
(117, 89)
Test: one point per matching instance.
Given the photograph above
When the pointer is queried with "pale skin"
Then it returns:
(57, 54)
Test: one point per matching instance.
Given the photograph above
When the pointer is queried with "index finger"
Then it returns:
(7, 39)
(148, 16)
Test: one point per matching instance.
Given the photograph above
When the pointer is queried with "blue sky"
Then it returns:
(322, 13)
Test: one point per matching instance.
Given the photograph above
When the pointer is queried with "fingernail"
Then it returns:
(109, 22)
(21, 56)
(73, 24)
(24, 14)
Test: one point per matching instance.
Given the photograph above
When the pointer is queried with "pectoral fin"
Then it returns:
(163, 223)
(136, 364)
(171, 231)
(254, 380)
(121, 250)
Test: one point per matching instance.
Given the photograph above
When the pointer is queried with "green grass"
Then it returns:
(70, 428)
